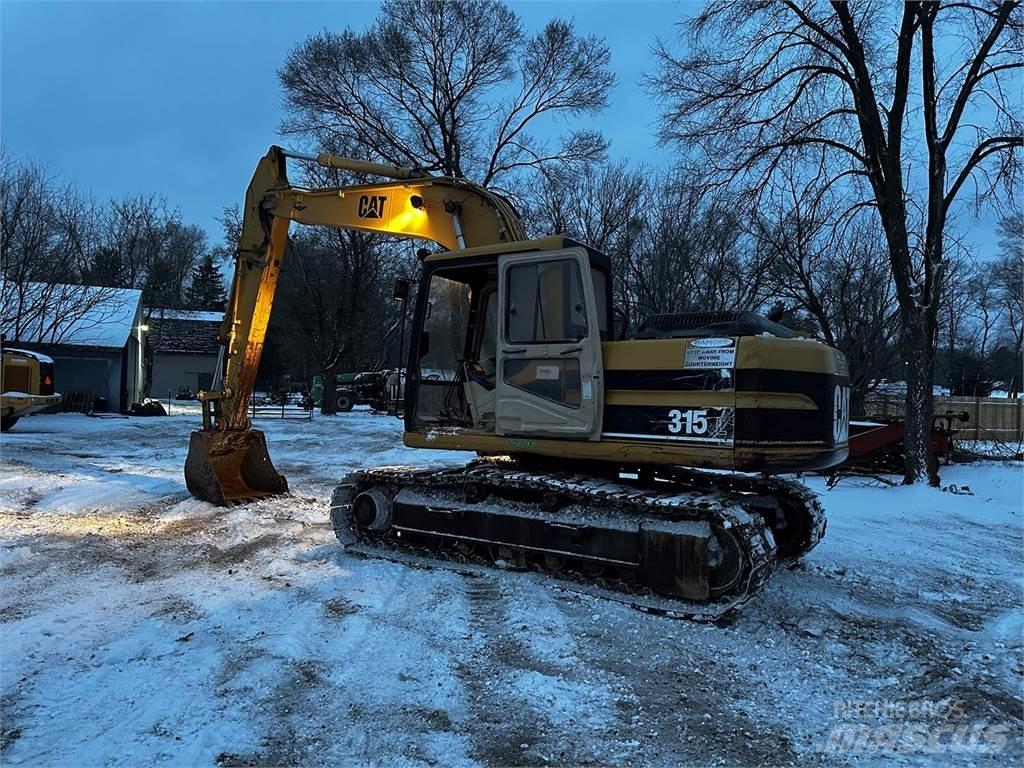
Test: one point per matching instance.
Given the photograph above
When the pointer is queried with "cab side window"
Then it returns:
(545, 303)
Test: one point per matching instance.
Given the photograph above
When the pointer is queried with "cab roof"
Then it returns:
(549, 243)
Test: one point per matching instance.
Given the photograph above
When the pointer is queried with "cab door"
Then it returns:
(548, 380)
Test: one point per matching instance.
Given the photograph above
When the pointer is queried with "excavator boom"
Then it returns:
(227, 460)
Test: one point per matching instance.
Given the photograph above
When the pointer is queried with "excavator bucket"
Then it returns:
(223, 467)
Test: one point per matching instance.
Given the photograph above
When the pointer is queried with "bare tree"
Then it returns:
(45, 226)
(1008, 279)
(168, 275)
(38, 215)
(985, 310)
(62, 313)
(954, 310)
(693, 255)
(333, 292)
(604, 206)
(596, 205)
(835, 85)
(65, 255)
(671, 249)
(451, 87)
(838, 276)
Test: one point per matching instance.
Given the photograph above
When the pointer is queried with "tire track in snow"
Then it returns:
(530, 698)
(681, 694)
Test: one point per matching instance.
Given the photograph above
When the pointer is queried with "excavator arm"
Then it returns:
(228, 461)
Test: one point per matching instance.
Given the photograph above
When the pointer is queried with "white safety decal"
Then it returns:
(703, 356)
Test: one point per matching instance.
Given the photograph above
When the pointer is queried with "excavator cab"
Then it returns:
(509, 344)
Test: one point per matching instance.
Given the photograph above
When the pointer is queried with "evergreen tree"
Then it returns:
(107, 269)
(206, 289)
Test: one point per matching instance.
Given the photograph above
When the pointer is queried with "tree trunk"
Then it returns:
(919, 359)
(329, 404)
(858, 397)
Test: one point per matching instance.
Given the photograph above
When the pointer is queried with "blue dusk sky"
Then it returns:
(180, 99)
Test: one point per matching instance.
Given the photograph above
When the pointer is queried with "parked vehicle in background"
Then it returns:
(381, 390)
(27, 385)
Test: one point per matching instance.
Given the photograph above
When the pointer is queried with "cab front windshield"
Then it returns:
(446, 322)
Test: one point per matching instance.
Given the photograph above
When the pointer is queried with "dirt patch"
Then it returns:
(178, 610)
(243, 551)
(436, 719)
(233, 665)
(339, 608)
(8, 736)
(25, 500)
(141, 559)
(231, 760)
(14, 612)
(10, 731)
(505, 729)
(295, 738)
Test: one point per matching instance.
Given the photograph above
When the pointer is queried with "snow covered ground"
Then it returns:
(142, 627)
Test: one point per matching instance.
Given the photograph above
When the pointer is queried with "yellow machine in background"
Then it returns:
(512, 354)
(27, 385)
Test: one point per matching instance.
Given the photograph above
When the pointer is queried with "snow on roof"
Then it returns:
(900, 388)
(178, 330)
(71, 315)
(182, 314)
(37, 355)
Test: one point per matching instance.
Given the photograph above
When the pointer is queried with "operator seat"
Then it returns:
(479, 395)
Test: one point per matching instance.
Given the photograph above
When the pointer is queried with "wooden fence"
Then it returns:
(989, 418)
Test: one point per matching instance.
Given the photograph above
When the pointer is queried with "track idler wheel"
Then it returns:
(371, 511)
(223, 467)
(690, 559)
(726, 561)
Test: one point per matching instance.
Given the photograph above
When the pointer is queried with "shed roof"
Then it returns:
(69, 315)
(184, 332)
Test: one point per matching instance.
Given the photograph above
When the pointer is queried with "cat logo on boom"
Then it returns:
(372, 206)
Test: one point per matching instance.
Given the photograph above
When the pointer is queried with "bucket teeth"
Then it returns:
(224, 467)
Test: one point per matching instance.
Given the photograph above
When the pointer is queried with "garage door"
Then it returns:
(82, 374)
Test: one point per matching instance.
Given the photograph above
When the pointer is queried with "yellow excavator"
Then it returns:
(643, 468)
(26, 385)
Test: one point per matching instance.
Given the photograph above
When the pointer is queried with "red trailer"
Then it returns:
(877, 445)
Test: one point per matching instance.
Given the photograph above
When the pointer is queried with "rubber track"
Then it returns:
(678, 500)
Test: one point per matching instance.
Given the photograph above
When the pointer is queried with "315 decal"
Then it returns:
(710, 425)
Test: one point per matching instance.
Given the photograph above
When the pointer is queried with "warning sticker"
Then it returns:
(717, 357)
